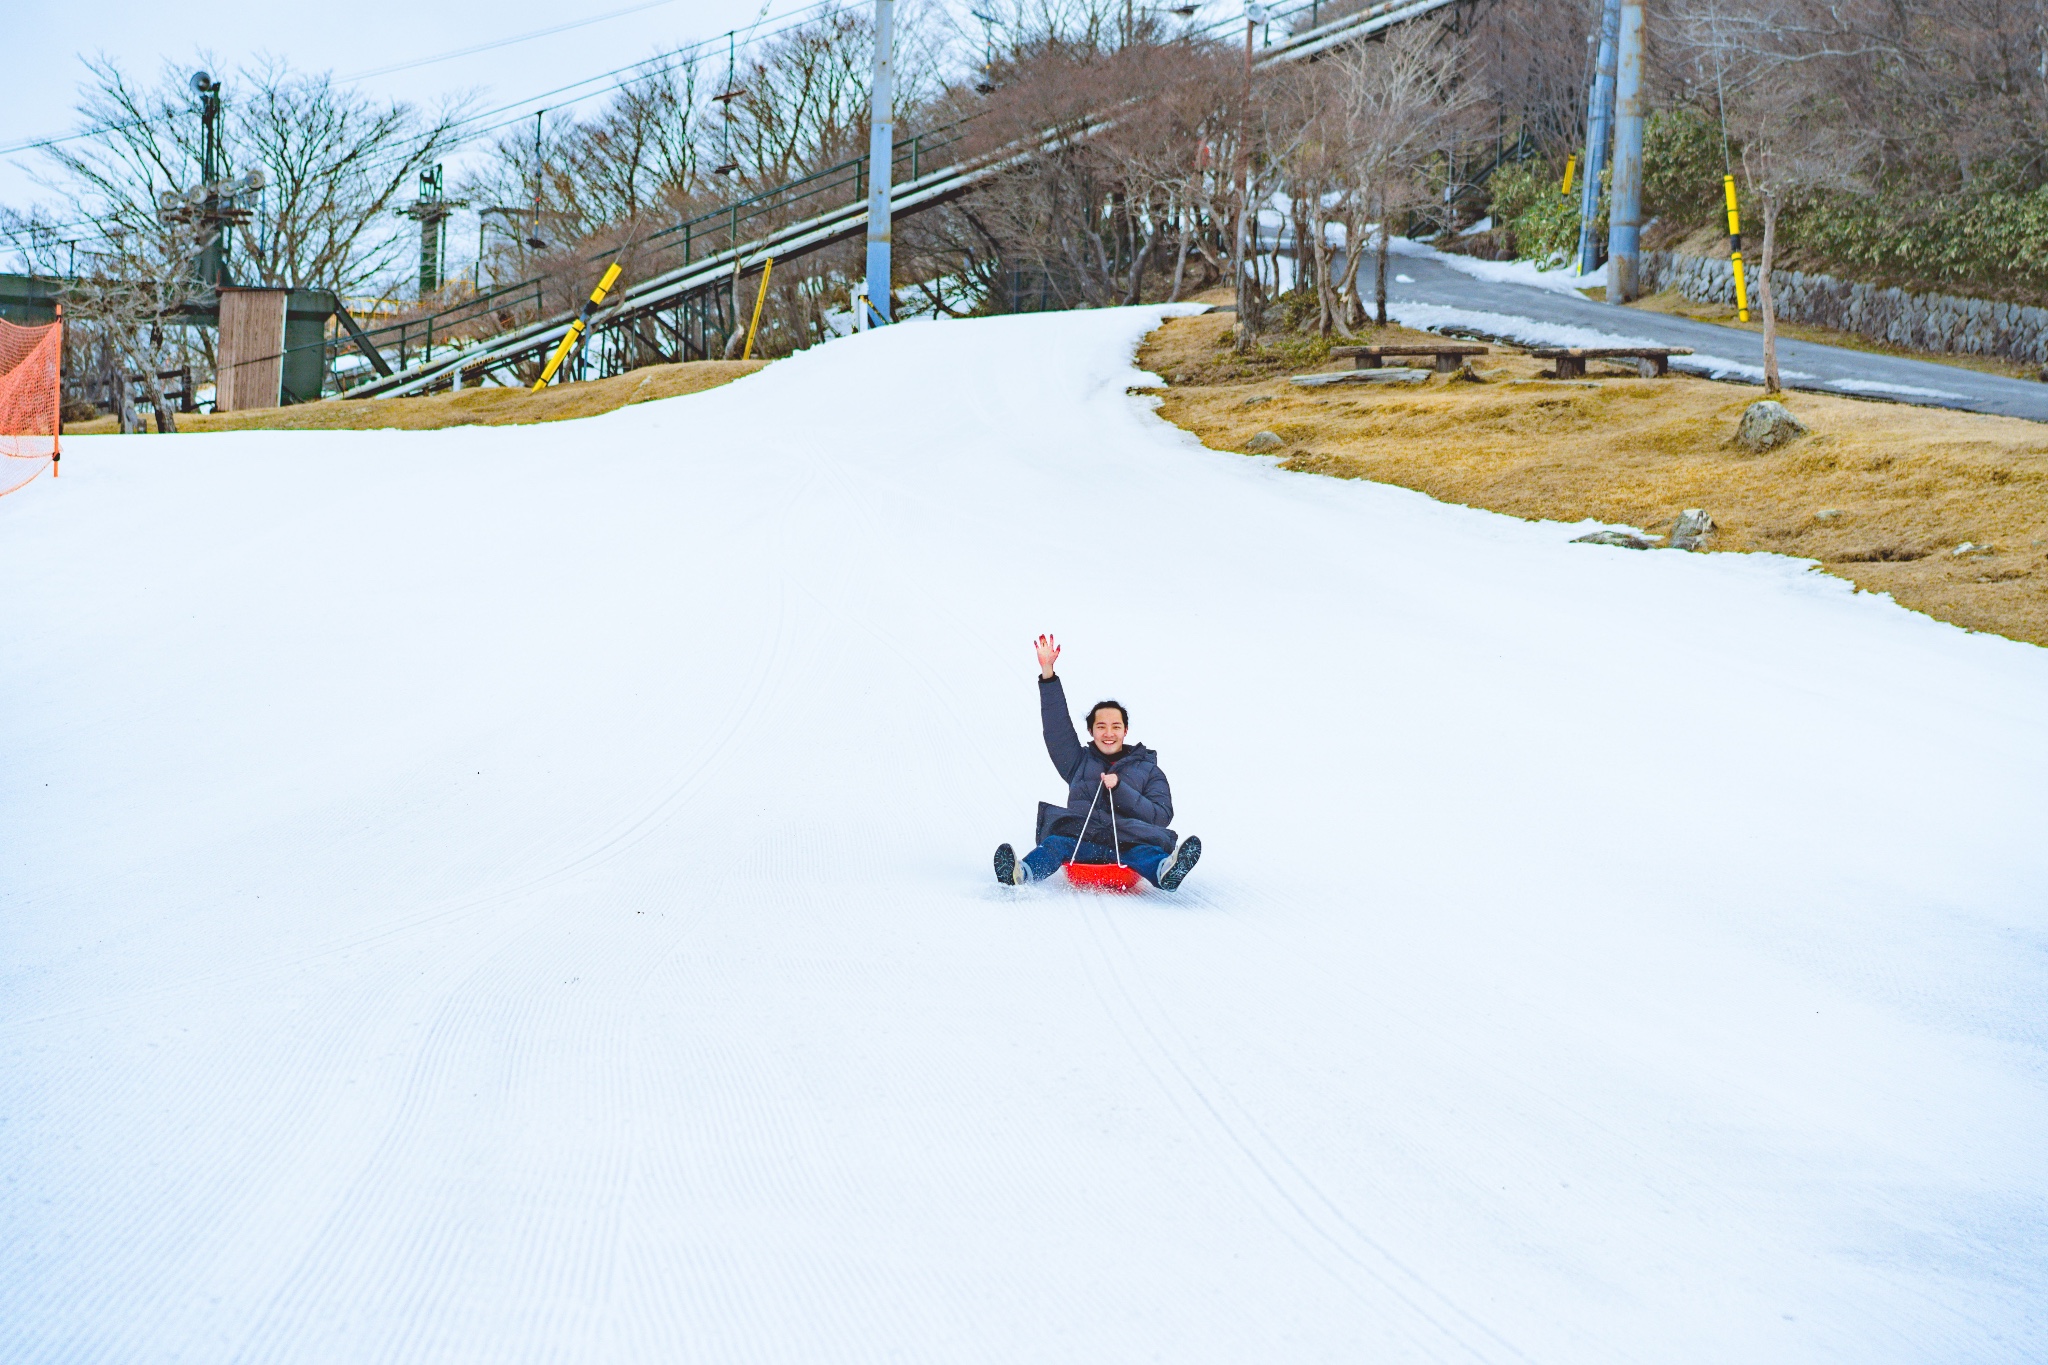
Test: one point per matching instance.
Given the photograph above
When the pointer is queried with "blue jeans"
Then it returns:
(1043, 861)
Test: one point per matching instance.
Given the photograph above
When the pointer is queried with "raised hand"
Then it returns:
(1048, 654)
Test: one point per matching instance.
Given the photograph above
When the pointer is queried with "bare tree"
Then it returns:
(125, 302)
(332, 163)
(595, 187)
(1399, 104)
(685, 136)
(1530, 61)
(1124, 141)
(639, 157)
(1783, 72)
(802, 103)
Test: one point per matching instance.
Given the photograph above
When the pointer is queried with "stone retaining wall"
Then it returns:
(1927, 322)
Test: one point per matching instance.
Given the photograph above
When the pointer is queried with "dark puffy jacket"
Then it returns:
(1144, 803)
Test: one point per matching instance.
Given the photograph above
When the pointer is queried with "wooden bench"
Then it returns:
(1651, 361)
(1450, 356)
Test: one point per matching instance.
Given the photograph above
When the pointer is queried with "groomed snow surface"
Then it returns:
(523, 894)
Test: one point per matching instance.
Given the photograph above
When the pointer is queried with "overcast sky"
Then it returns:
(365, 36)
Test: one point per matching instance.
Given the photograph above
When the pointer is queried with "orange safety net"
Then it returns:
(30, 360)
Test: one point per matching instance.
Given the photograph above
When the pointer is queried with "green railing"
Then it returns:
(414, 339)
(720, 227)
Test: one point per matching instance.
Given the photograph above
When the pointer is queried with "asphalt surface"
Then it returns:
(1801, 364)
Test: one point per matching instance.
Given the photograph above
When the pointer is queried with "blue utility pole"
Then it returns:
(881, 156)
(1599, 125)
(1625, 204)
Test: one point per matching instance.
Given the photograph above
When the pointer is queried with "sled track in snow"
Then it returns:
(1431, 1323)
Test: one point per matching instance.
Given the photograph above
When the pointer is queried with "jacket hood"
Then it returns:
(1128, 751)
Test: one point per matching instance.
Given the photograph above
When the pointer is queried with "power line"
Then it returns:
(658, 65)
(35, 144)
(518, 111)
(503, 42)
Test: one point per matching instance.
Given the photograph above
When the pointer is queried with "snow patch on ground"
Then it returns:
(1437, 317)
(1559, 279)
(1721, 367)
(1879, 386)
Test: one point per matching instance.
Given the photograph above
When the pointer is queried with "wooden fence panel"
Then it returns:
(250, 361)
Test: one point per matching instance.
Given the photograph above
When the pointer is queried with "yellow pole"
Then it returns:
(576, 327)
(1571, 164)
(760, 297)
(1735, 249)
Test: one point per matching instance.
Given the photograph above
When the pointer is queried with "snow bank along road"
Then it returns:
(1440, 297)
(523, 894)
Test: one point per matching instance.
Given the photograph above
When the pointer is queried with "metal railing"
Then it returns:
(412, 341)
(851, 174)
(680, 300)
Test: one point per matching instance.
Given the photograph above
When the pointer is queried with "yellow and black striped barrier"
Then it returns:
(576, 328)
(1735, 249)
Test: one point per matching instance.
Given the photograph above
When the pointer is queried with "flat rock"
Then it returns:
(1391, 374)
(1619, 539)
(1766, 425)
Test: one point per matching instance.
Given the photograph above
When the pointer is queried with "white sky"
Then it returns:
(361, 37)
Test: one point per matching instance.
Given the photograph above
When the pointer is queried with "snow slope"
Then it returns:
(522, 894)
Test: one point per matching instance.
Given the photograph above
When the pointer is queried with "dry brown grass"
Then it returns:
(471, 407)
(1905, 485)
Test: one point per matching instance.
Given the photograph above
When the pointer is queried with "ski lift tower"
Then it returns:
(431, 211)
(985, 79)
(213, 207)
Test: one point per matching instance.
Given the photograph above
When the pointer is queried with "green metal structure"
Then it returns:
(31, 301)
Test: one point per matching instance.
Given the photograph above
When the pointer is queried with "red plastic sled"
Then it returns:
(1103, 876)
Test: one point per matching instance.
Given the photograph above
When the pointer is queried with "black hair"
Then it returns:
(1115, 706)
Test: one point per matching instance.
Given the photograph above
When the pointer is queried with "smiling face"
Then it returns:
(1107, 730)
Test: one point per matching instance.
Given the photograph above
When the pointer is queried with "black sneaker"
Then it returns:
(1009, 871)
(1183, 862)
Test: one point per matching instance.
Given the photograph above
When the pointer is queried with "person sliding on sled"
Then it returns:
(1103, 773)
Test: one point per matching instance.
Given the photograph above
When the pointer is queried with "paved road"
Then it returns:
(1722, 352)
